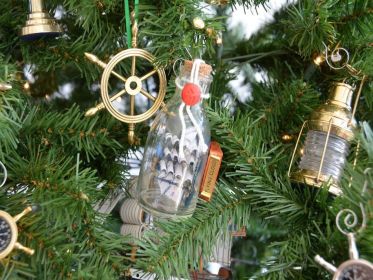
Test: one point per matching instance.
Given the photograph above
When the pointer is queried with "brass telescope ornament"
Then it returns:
(39, 23)
(132, 85)
(330, 131)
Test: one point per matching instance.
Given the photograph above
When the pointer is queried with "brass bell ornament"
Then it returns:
(322, 157)
(39, 23)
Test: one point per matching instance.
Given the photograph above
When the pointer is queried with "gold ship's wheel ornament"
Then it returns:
(132, 85)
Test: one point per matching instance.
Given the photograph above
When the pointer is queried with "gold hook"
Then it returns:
(357, 99)
(132, 139)
(135, 30)
(296, 147)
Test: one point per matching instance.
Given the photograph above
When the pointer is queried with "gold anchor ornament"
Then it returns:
(9, 229)
(132, 85)
(354, 268)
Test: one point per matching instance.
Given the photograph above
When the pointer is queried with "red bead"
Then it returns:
(191, 94)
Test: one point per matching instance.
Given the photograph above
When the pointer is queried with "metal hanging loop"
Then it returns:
(336, 56)
(180, 61)
(351, 220)
(5, 174)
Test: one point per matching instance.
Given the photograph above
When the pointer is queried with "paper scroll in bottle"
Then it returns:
(211, 171)
(131, 212)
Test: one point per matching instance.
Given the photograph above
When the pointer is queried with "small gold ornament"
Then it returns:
(219, 40)
(218, 2)
(287, 138)
(132, 85)
(5, 87)
(318, 59)
(9, 233)
(198, 23)
(26, 86)
(210, 32)
(39, 23)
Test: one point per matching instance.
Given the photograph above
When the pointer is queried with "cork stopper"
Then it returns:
(204, 70)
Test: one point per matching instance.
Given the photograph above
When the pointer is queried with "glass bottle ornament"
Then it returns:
(177, 147)
(325, 150)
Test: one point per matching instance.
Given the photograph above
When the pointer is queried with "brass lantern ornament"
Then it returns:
(326, 147)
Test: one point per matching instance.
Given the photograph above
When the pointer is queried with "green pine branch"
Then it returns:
(72, 131)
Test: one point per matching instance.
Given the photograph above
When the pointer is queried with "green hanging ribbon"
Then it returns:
(128, 19)
(136, 10)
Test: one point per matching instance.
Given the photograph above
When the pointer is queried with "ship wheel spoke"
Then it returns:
(147, 94)
(117, 95)
(132, 105)
(120, 77)
(133, 66)
(151, 73)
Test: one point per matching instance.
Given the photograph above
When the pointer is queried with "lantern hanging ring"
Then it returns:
(336, 56)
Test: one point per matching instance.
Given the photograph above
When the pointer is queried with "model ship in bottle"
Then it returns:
(177, 147)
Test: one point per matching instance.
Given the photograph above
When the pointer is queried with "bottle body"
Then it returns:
(174, 158)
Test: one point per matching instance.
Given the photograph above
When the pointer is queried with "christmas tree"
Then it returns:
(62, 163)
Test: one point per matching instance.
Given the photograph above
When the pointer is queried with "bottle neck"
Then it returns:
(203, 82)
